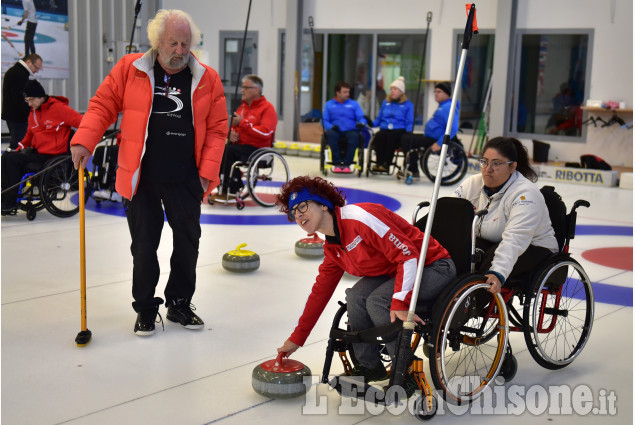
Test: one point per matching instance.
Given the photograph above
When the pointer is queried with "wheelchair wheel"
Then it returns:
(559, 314)
(454, 168)
(59, 187)
(267, 172)
(469, 340)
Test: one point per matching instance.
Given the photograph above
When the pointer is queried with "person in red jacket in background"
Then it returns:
(47, 135)
(370, 241)
(253, 127)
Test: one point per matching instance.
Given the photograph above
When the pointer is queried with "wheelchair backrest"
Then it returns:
(557, 213)
(452, 227)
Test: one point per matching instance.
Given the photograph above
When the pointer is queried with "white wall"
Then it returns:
(611, 20)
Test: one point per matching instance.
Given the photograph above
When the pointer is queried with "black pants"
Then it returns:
(17, 130)
(526, 263)
(182, 204)
(412, 142)
(386, 142)
(234, 152)
(29, 35)
(14, 165)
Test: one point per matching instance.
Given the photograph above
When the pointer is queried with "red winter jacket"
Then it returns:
(258, 125)
(375, 242)
(130, 88)
(50, 126)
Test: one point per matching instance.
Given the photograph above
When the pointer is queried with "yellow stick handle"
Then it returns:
(82, 246)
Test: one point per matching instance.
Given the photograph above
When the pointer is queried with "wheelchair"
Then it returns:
(53, 186)
(326, 161)
(372, 160)
(264, 172)
(105, 164)
(465, 336)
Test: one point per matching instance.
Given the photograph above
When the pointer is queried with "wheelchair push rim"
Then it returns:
(266, 174)
(59, 188)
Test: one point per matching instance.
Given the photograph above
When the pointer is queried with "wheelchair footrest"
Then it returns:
(355, 387)
(374, 335)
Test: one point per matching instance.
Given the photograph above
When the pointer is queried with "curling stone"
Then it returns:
(305, 151)
(293, 149)
(310, 247)
(280, 147)
(241, 261)
(280, 378)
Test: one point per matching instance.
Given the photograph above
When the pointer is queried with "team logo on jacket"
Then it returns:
(400, 245)
(353, 244)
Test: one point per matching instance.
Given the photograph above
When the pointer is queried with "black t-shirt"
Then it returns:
(169, 155)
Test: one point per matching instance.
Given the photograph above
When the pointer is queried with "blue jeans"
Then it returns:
(352, 141)
(369, 305)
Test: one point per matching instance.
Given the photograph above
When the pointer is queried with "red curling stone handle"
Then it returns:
(279, 366)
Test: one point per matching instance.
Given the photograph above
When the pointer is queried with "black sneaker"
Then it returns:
(180, 311)
(376, 374)
(144, 326)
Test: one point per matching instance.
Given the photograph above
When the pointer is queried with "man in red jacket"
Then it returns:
(172, 137)
(253, 126)
(47, 135)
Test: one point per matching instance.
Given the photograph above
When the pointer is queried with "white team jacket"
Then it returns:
(517, 217)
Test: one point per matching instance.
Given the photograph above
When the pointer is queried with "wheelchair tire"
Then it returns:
(425, 407)
(31, 213)
(455, 164)
(469, 340)
(59, 187)
(267, 172)
(558, 313)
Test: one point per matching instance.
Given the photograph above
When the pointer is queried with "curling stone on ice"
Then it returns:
(241, 260)
(310, 247)
(280, 378)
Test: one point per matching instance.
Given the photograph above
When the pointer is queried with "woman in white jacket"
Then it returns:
(516, 234)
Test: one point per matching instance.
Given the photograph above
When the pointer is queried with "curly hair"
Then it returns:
(156, 26)
(315, 185)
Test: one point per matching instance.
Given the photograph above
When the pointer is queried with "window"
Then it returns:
(400, 55)
(369, 62)
(231, 44)
(476, 78)
(551, 82)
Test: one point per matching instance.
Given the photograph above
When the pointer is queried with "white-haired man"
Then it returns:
(173, 133)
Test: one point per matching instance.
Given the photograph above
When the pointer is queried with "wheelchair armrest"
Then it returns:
(580, 203)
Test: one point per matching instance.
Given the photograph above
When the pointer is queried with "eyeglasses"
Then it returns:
(301, 207)
(249, 87)
(166, 80)
(484, 163)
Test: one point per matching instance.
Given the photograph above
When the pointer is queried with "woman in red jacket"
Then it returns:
(50, 122)
(369, 241)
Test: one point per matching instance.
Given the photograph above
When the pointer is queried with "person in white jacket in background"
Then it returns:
(516, 234)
